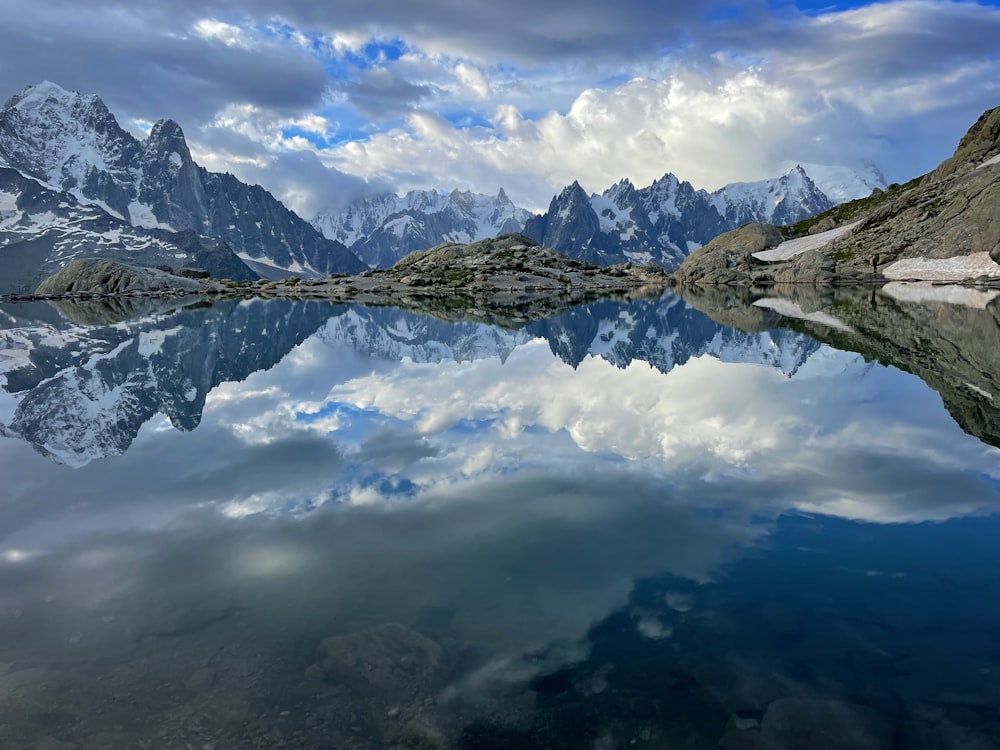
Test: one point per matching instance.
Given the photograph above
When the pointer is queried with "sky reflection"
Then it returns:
(379, 467)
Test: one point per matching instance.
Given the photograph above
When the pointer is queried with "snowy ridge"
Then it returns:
(784, 200)
(842, 184)
(664, 222)
(381, 229)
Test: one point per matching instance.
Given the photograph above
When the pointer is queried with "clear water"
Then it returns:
(278, 524)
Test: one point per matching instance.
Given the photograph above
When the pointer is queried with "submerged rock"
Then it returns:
(796, 723)
(392, 659)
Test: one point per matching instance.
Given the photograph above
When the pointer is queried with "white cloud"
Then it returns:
(474, 79)
(227, 34)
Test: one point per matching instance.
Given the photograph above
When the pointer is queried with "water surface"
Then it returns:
(274, 524)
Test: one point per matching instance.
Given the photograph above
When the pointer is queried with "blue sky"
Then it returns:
(322, 102)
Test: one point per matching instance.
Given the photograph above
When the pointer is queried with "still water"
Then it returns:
(277, 524)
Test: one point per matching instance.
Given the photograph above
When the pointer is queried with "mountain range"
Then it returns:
(75, 184)
(661, 223)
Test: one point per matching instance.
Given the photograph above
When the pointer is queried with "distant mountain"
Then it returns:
(665, 222)
(71, 142)
(843, 184)
(381, 229)
(783, 200)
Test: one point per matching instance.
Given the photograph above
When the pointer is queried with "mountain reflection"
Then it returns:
(372, 528)
(79, 392)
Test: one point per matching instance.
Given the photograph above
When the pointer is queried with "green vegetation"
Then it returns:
(845, 213)
(458, 276)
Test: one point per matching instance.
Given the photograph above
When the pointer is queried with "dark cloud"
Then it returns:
(380, 93)
(151, 68)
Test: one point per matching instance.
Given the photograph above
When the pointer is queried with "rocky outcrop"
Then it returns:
(98, 276)
(728, 259)
(980, 143)
(952, 212)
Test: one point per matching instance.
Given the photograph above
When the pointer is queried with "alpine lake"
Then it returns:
(713, 521)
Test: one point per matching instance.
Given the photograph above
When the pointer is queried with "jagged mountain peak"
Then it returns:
(47, 93)
(166, 137)
(62, 136)
(72, 142)
(573, 192)
(842, 183)
(385, 227)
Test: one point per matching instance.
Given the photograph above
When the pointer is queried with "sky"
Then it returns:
(322, 102)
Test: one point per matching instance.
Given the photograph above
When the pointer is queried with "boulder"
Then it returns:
(728, 259)
(193, 273)
(99, 276)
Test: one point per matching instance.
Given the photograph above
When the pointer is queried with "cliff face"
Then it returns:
(73, 144)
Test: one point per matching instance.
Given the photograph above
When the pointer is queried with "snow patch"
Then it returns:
(956, 268)
(792, 310)
(990, 162)
(142, 215)
(791, 248)
(925, 291)
(980, 391)
(85, 201)
(639, 257)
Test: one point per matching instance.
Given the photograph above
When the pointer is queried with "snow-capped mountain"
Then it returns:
(666, 221)
(41, 228)
(659, 224)
(72, 142)
(785, 200)
(843, 184)
(381, 229)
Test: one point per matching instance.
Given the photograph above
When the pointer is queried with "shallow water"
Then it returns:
(272, 524)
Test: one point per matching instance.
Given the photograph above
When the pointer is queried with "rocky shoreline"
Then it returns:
(509, 277)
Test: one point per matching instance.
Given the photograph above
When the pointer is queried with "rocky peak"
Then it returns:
(622, 193)
(980, 143)
(167, 138)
